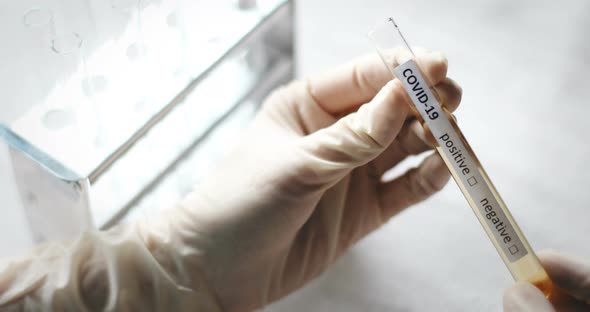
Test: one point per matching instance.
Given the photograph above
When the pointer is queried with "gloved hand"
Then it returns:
(570, 275)
(302, 187)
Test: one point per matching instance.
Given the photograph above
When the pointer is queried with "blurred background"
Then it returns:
(523, 68)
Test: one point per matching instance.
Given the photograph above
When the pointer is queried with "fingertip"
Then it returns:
(418, 130)
(435, 171)
(440, 58)
(450, 93)
(523, 296)
(439, 65)
(391, 86)
(548, 254)
(555, 262)
(383, 117)
(393, 94)
(569, 273)
(457, 86)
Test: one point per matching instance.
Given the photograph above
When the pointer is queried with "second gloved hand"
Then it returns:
(571, 276)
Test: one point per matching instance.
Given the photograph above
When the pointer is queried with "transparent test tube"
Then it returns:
(464, 166)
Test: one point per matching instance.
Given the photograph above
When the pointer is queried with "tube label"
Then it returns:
(459, 160)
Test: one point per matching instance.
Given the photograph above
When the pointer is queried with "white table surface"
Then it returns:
(523, 69)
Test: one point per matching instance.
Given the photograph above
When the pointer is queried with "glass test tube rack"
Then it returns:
(134, 108)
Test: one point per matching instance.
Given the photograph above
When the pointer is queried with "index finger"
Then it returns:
(349, 86)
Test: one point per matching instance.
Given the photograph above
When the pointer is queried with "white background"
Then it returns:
(523, 67)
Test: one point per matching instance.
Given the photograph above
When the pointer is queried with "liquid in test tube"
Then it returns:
(464, 166)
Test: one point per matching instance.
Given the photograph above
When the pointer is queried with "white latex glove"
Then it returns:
(570, 275)
(301, 188)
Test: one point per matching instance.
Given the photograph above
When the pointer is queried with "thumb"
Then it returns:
(523, 296)
(357, 138)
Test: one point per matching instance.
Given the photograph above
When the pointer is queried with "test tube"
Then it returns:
(460, 159)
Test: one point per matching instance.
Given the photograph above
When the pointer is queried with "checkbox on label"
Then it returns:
(513, 249)
(472, 181)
